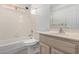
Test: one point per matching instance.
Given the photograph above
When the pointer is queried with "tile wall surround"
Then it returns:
(15, 24)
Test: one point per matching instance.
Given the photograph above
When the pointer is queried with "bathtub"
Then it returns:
(17, 46)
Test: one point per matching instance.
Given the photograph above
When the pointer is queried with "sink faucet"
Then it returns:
(61, 30)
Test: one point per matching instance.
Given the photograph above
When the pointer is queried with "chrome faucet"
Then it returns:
(61, 30)
(31, 34)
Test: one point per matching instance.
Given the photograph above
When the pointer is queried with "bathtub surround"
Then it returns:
(14, 24)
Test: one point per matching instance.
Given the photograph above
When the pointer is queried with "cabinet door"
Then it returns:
(44, 49)
(56, 51)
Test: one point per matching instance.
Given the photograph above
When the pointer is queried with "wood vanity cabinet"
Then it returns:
(57, 45)
(55, 51)
(44, 49)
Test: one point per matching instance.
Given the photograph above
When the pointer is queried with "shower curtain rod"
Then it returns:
(15, 7)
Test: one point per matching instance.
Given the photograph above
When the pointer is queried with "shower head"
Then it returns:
(26, 8)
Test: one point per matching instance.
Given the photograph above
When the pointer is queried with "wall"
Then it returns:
(42, 16)
(14, 24)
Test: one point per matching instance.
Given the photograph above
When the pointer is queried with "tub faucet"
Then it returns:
(31, 34)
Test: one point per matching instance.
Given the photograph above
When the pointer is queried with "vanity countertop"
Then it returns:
(67, 35)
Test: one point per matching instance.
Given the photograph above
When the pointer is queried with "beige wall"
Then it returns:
(14, 24)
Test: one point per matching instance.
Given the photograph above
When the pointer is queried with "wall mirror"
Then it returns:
(66, 15)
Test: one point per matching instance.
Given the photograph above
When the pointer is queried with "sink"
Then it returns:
(69, 34)
(56, 32)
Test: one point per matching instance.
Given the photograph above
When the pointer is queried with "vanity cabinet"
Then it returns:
(58, 45)
(55, 51)
(44, 49)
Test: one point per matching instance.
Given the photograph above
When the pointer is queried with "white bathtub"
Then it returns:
(16, 45)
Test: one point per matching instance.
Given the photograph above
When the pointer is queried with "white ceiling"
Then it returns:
(24, 5)
(34, 6)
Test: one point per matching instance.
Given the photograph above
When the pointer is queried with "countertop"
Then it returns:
(67, 35)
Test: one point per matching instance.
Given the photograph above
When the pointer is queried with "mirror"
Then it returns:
(66, 15)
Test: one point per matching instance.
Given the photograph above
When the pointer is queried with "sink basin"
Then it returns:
(69, 34)
(30, 42)
(56, 32)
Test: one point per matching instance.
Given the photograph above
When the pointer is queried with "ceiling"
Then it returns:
(34, 6)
